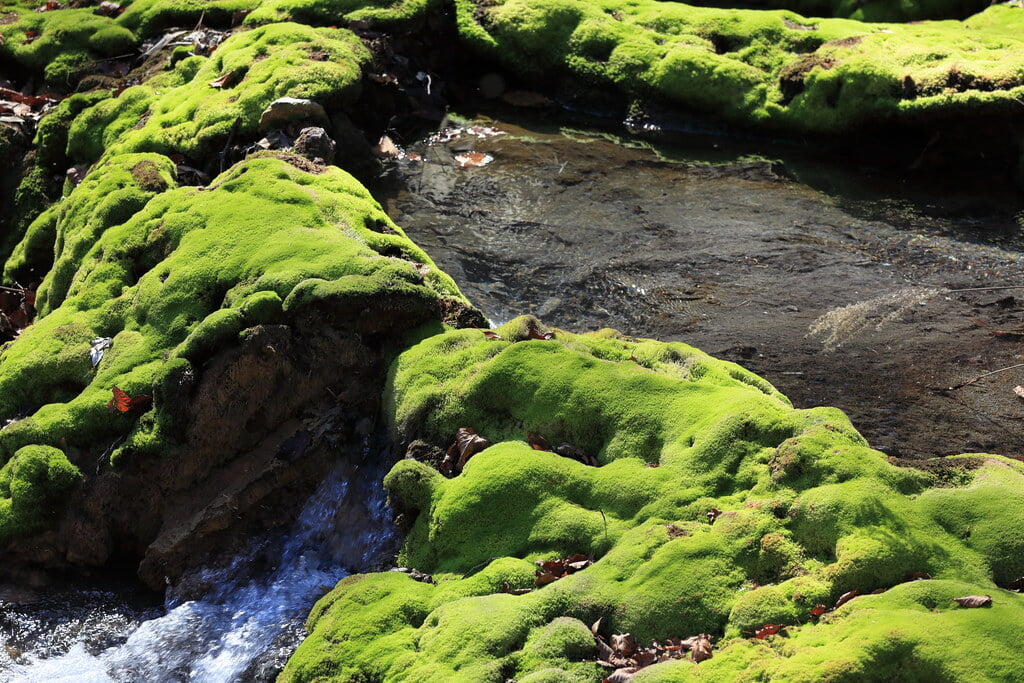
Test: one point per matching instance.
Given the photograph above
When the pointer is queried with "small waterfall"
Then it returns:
(250, 617)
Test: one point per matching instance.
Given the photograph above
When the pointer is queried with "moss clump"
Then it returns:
(807, 512)
(180, 112)
(180, 274)
(771, 69)
(32, 484)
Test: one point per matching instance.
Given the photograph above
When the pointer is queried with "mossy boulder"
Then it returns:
(806, 511)
(32, 485)
(759, 68)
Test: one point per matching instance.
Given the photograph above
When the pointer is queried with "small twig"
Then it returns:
(983, 289)
(975, 379)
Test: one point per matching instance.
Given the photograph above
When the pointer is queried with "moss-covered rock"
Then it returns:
(766, 69)
(32, 484)
(806, 512)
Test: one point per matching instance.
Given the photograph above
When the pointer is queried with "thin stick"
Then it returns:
(983, 289)
(975, 379)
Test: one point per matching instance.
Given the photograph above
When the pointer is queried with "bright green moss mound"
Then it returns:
(180, 112)
(880, 10)
(179, 275)
(763, 68)
(31, 486)
(808, 513)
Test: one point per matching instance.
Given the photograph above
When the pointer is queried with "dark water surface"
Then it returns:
(739, 254)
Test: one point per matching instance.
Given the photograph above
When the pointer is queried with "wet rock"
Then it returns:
(288, 110)
(314, 144)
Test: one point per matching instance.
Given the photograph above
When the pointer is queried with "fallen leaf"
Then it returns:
(537, 442)
(713, 514)
(227, 79)
(123, 403)
(386, 148)
(845, 598)
(1019, 390)
(533, 333)
(467, 444)
(623, 675)
(974, 601)
(768, 630)
(623, 644)
(491, 334)
(918, 576)
(701, 649)
(484, 131)
(544, 578)
(472, 159)
(107, 9)
(567, 450)
(818, 610)
(1015, 585)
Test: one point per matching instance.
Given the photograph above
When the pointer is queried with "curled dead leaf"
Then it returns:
(537, 442)
(974, 601)
(818, 610)
(1019, 390)
(768, 630)
(467, 444)
(713, 514)
(845, 598)
(623, 644)
(701, 649)
(623, 675)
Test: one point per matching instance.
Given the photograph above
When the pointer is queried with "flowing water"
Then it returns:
(243, 627)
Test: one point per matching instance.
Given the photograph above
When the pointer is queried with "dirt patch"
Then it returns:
(791, 78)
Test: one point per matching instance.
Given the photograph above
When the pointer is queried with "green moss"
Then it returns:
(770, 69)
(808, 512)
(182, 271)
(32, 484)
(112, 40)
(191, 117)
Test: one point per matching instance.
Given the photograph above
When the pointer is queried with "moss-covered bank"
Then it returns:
(807, 513)
(768, 69)
(208, 299)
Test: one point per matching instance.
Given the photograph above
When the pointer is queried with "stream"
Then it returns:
(247, 619)
(720, 245)
(739, 247)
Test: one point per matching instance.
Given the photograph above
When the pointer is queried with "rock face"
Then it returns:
(716, 508)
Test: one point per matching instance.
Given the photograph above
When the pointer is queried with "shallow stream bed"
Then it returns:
(729, 252)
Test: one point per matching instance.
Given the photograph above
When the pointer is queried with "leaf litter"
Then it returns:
(622, 653)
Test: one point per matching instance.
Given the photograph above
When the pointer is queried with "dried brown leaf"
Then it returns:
(623, 675)
(845, 598)
(974, 601)
(701, 650)
(623, 644)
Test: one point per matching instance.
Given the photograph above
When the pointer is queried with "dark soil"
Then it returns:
(740, 260)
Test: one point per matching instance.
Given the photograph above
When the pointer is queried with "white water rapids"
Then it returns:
(243, 628)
